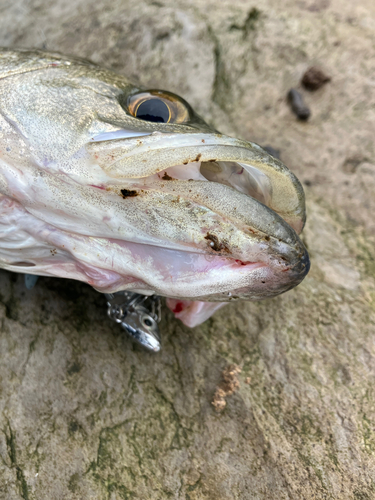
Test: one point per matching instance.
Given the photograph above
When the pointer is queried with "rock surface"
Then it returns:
(84, 414)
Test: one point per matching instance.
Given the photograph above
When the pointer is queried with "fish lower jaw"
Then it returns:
(30, 245)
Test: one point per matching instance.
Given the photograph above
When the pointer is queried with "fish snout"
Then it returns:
(300, 266)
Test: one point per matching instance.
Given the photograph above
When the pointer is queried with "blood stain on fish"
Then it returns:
(178, 307)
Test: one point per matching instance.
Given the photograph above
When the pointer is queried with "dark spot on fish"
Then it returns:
(212, 160)
(263, 281)
(166, 177)
(198, 157)
(191, 179)
(185, 162)
(298, 106)
(267, 238)
(126, 193)
(314, 78)
(215, 244)
(203, 140)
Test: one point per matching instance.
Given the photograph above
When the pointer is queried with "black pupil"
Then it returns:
(153, 110)
(147, 322)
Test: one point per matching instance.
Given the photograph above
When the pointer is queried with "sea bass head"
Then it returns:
(129, 189)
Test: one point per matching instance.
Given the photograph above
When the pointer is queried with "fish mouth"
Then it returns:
(191, 216)
(256, 208)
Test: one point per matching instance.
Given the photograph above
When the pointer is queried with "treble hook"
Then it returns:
(141, 323)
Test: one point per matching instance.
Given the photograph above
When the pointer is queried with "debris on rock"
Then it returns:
(298, 105)
(314, 78)
(229, 385)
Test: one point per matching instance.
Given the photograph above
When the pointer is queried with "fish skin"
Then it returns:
(63, 211)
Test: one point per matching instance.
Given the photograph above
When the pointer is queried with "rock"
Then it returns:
(314, 78)
(297, 104)
(87, 414)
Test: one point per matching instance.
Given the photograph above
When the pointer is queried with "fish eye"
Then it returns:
(159, 106)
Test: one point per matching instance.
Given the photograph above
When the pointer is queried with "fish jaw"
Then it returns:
(33, 246)
(194, 240)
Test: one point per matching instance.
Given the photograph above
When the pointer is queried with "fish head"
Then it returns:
(129, 189)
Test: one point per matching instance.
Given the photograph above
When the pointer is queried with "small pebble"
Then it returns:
(298, 106)
(314, 78)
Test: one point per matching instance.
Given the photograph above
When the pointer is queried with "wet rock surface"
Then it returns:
(85, 414)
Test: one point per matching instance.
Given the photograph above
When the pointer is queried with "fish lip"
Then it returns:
(286, 280)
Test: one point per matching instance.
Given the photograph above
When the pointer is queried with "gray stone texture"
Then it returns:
(84, 413)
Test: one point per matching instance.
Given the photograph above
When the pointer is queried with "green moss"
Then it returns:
(361, 495)
(309, 464)
(252, 20)
(11, 445)
(368, 434)
(73, 482)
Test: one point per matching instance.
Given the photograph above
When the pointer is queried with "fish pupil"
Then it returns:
(153, 110)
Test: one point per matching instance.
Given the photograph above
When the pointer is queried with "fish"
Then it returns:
(128, 189)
